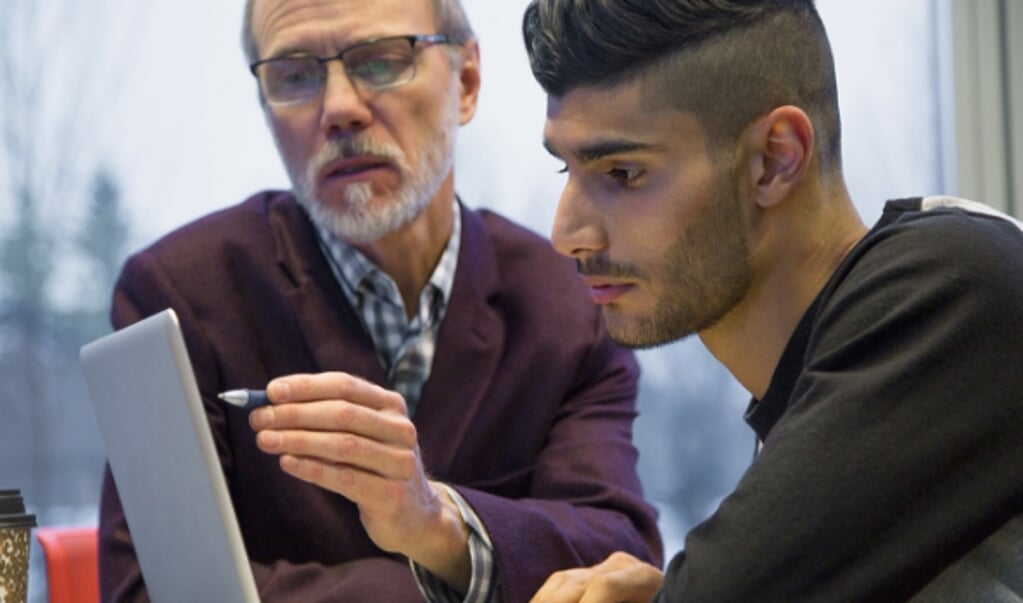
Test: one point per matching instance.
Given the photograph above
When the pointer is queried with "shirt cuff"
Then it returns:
(482, 586)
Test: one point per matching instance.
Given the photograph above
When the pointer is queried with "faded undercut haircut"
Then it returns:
(729, 62)
(449, 19)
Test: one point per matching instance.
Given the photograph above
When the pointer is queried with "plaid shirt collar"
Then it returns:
(362, 281)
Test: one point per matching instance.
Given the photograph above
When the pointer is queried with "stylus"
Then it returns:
(245, 398)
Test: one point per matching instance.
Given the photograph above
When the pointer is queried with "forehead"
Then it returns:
(279, 25)
(591, 121)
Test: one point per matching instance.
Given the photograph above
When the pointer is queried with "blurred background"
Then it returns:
(122, 120)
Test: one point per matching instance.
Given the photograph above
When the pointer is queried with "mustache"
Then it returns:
(353, 146)
(602, 266)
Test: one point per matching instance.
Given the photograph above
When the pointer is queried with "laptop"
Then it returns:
(163, 459)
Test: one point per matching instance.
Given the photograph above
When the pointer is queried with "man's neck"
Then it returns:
(794, 255)
(410, 254)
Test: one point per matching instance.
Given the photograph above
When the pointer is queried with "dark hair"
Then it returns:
(727, 61)
(449, 16)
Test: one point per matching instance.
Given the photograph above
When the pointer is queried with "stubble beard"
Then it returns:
(704, 274)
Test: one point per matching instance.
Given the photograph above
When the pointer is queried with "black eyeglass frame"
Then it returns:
(412, 39)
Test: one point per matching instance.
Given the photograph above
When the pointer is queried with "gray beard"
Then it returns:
(362, 221)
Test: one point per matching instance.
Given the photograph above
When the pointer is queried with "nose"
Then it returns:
(578, 226)
(344, 109)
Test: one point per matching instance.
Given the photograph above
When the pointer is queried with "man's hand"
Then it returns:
(355, 438)
(621, 578)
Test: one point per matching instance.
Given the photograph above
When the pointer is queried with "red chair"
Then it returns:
(72, 567)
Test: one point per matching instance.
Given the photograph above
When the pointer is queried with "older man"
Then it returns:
(447, 414)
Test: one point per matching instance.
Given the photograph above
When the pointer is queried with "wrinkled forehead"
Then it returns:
(324, 25)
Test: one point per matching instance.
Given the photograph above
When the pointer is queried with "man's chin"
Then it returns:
(325, 216)
(355, 224)
(636, 332)
(621, 329)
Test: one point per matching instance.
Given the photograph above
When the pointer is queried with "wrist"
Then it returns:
(444, 548)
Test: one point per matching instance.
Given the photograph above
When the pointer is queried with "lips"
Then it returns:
(605, 291)
(352, 166)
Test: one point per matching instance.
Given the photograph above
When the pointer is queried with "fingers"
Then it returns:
(375, 495)
(621, 578)
(562, 587)
(344, 448)
(334, 386)
(353, 483)
(328, 415)
(338, 417)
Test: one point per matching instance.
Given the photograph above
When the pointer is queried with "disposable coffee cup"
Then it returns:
(15, 530)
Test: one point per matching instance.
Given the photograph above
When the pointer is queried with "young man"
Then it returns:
(441, 388)
(705, 195)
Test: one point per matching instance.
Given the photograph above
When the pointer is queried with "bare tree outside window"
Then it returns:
(62, 236)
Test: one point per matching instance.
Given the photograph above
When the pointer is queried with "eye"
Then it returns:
(379, 69)
(302, 76)
(625, 175)
(563, 170)
(288, 80)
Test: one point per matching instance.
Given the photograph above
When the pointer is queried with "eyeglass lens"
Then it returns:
(373, 65)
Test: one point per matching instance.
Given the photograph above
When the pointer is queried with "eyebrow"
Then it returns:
(602, 148)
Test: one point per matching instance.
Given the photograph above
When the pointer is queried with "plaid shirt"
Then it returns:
(405, 348)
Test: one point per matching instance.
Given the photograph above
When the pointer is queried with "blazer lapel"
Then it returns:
(332, 331)
(469, 346)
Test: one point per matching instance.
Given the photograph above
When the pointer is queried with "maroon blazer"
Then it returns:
(528, 411)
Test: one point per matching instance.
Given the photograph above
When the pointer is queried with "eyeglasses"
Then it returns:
(374, 64)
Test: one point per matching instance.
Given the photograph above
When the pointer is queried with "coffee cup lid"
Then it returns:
(12, 511)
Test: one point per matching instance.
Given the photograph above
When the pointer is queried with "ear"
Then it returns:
(781, 148)
(469, 77)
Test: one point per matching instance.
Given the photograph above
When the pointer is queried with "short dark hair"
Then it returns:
(727, 61)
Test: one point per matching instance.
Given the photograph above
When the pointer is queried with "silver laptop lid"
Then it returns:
(165, 465)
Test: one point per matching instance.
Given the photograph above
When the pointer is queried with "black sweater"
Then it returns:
(892, 427)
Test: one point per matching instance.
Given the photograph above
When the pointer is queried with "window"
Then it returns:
(923, 84)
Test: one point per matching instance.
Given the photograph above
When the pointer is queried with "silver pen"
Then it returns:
(245, 398)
